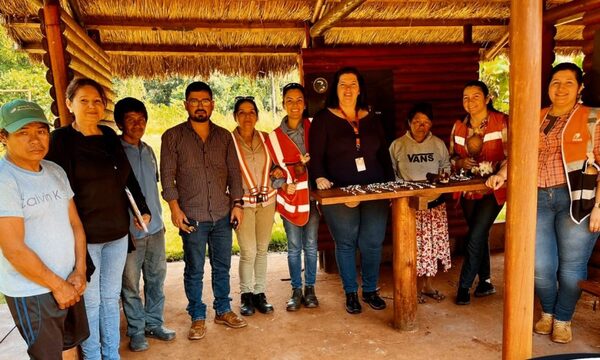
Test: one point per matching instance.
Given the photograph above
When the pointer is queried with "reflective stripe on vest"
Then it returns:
(496, 135)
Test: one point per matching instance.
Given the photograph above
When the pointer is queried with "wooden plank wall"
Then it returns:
(432, 73)
(591, 66)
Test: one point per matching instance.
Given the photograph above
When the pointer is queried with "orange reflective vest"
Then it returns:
(295, 208)
(577, 145)
(493, 148)
(257, 193)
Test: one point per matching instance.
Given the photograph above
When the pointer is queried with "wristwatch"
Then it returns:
(238, 202)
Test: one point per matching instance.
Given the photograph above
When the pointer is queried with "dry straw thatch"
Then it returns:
(165, 37)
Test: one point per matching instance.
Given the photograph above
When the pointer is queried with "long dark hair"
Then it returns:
(242, 99)
(333, 101)
(484, 89)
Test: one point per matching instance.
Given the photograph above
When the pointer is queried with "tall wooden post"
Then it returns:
(405, 265)
(58, 63)
(525, 80)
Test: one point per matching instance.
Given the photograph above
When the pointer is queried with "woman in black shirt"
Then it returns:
(98, 170)
(348, 146)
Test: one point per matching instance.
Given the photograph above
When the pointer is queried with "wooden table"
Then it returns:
(404, 204)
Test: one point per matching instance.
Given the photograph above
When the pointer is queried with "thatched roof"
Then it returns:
(162, 37)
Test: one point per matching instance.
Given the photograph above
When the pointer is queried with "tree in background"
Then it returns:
(495, 73)
(18, 73)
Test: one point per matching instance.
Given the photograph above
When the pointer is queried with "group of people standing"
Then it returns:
(94, 195)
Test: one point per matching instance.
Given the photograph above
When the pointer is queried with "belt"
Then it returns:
(553, 187)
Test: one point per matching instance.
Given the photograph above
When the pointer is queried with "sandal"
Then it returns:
(436, 295)
(421, 299)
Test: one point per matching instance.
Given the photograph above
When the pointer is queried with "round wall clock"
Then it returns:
(320, 85)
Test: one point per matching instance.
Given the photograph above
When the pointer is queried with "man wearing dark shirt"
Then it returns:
(202, 184)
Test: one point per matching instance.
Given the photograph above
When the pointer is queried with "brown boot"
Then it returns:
(197, 330)
(230, 319)
(561, 332)
(544, 325)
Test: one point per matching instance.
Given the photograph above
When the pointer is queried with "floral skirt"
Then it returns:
(432, 241)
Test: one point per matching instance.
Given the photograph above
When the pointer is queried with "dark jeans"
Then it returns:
(362, 227)
(148, 259)
(218, 237)
(562, 251)
(480, 215)
(303, 238)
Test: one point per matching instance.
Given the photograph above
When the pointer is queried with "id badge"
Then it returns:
(360, 164)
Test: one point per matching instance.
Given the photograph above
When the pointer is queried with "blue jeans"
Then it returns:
(102, 300)
(148, 259)
(562, 251)
(218, 237)
(480, 215)
(361, 227)
(303, 237)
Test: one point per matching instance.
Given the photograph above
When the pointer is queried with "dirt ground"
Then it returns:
(446, 331)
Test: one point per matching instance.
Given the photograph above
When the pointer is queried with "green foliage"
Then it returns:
(574, 58)
(11, 59)
(494, 74)
(19, 74)
(160, 91)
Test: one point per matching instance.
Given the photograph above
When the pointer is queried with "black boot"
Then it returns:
(246, 306)
(352, 303)
(373, 299)
(310, 299)
(463, 297)
(261, 304)
(295, 301)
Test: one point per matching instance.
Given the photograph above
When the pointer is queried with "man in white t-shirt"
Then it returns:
(42, 241)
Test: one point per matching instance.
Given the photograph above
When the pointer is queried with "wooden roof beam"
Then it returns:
(495, 49)
(193, 50)
(569, 9)
(421, 22)
(334, 16)
(317, 11)
(75, 11)
(102, 23)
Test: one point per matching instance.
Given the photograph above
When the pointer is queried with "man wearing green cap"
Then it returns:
(42, 242)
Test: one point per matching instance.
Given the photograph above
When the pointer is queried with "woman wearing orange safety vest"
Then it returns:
(288, 145)
(568, 211)
(254, 233)
(480, 137)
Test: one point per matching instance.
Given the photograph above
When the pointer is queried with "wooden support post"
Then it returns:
(405, 265)
(525, 87)
(300, 68)
(56, 50)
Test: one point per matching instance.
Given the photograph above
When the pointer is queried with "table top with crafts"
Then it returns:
(406, 197)
(396, 189)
